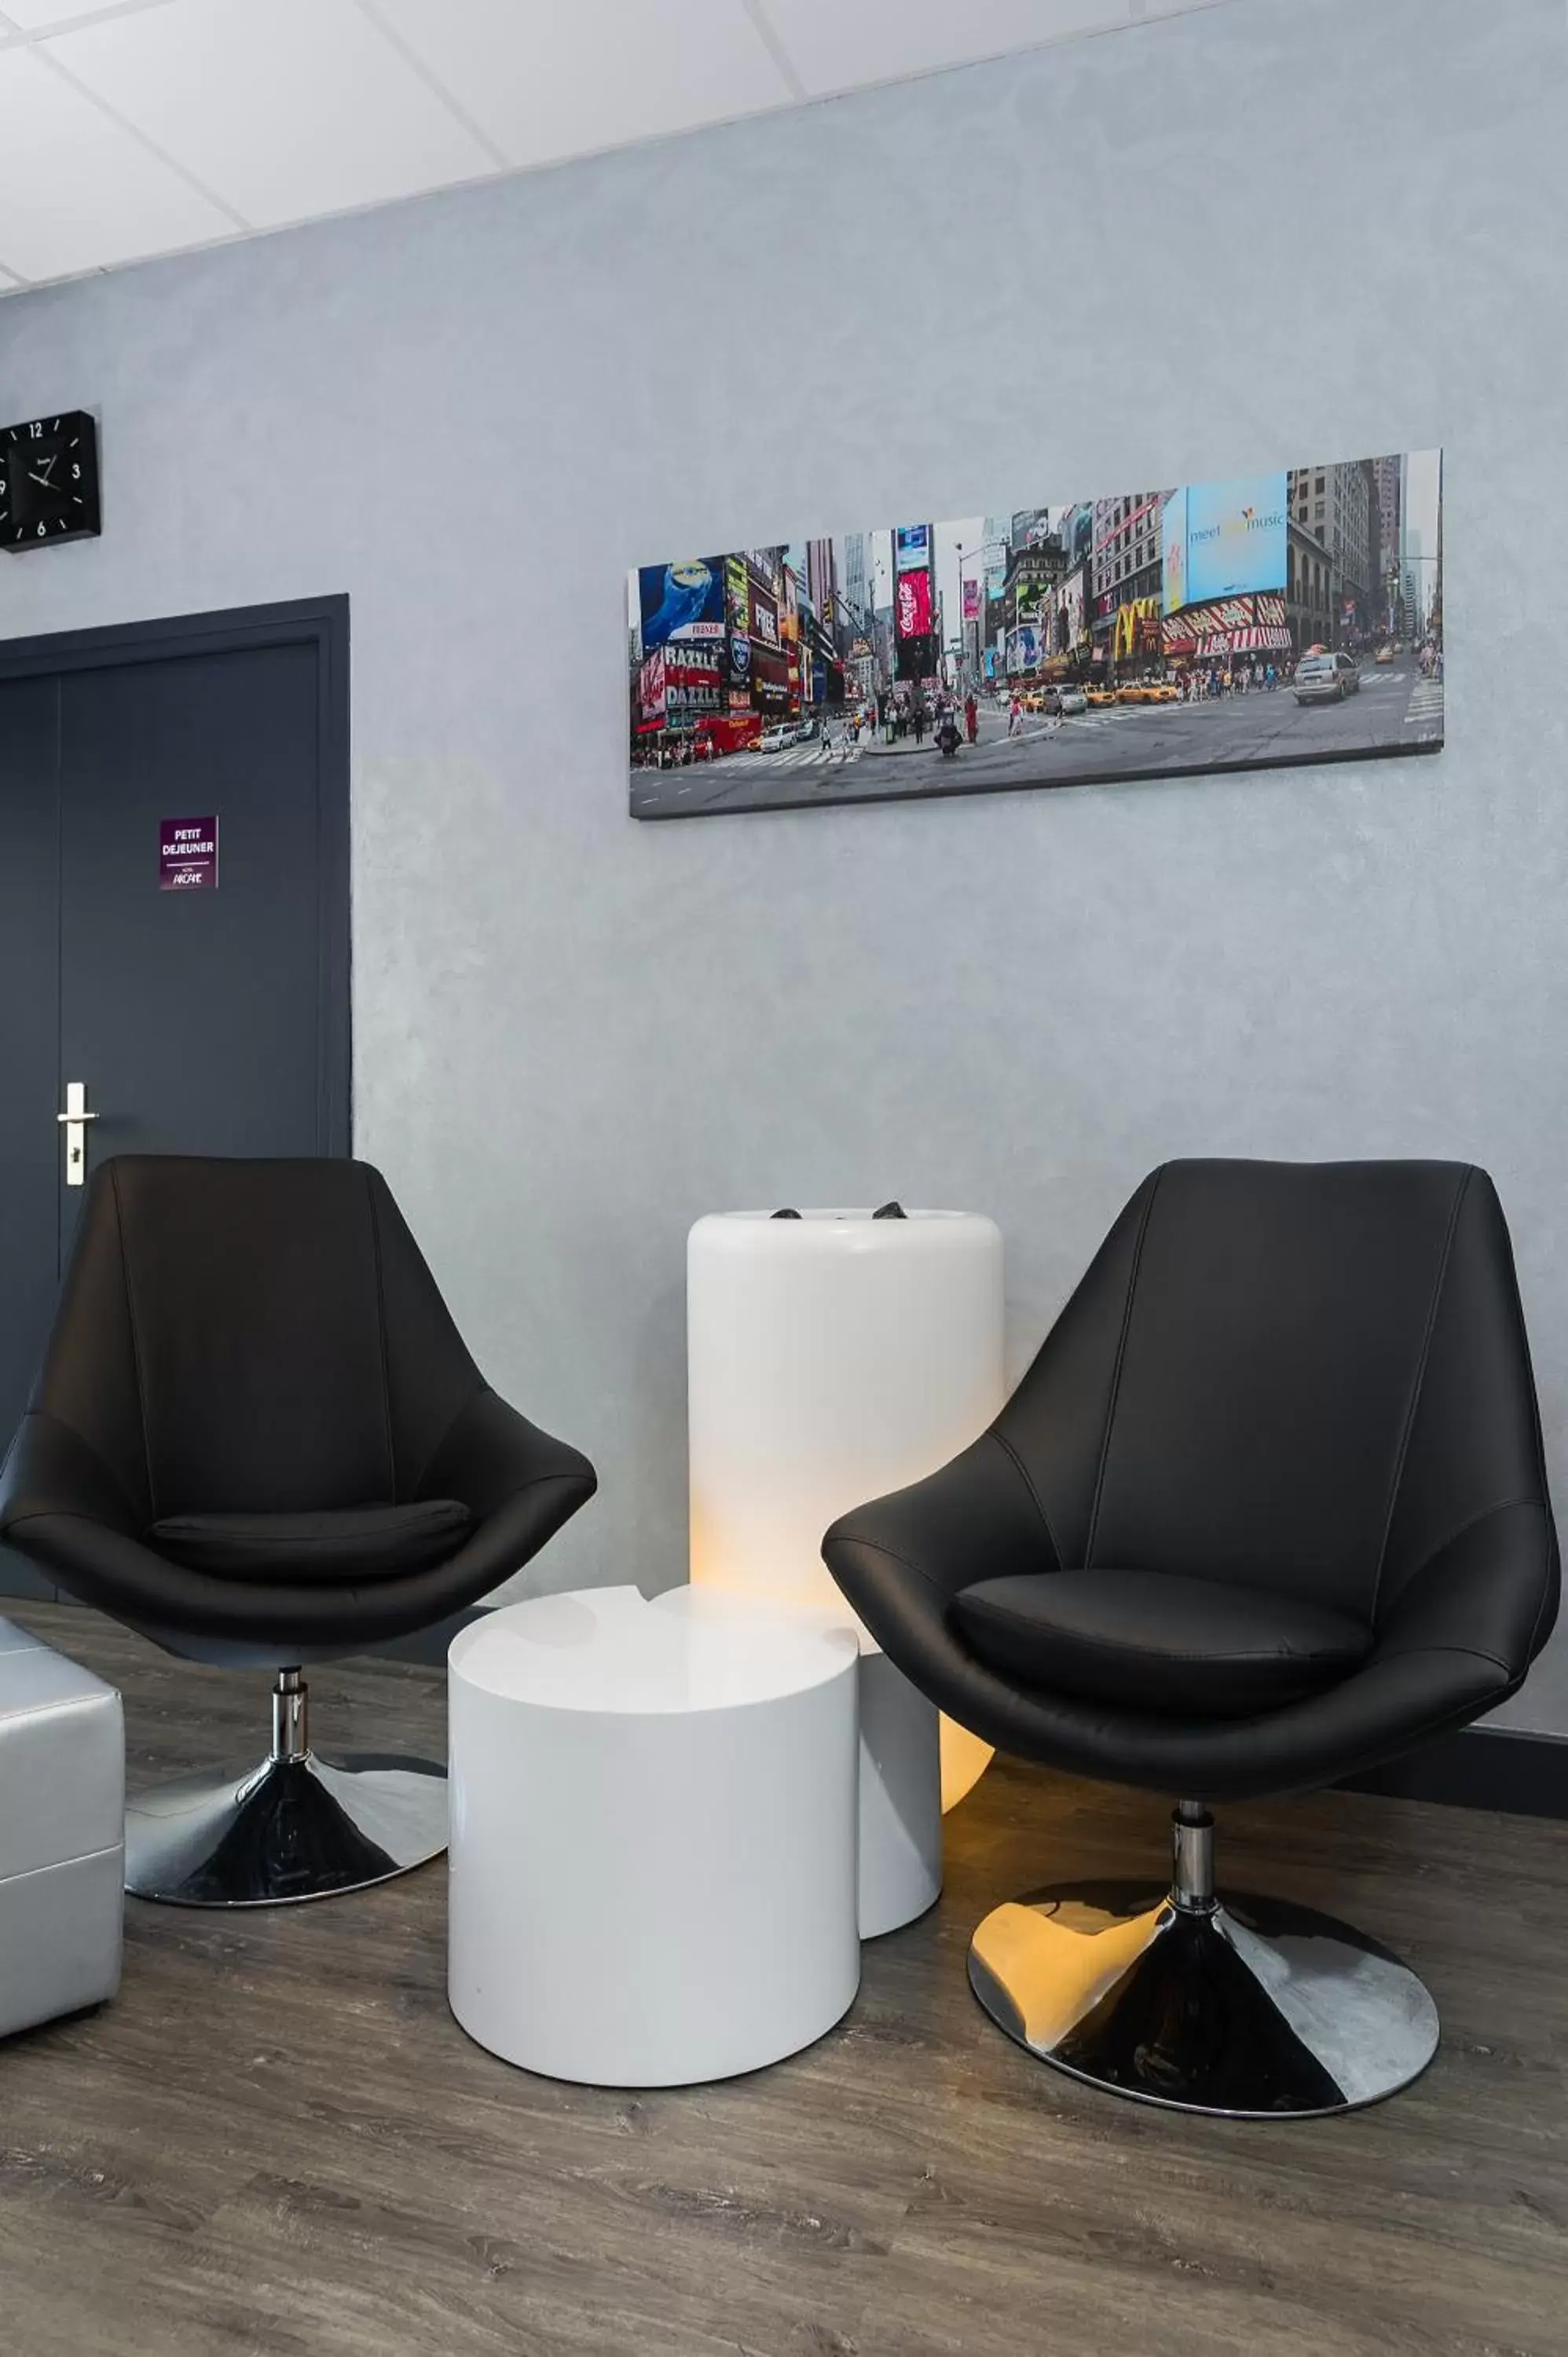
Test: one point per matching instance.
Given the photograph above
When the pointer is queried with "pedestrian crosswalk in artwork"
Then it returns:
(1425, 709)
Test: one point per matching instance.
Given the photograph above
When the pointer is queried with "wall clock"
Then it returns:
(48, 480)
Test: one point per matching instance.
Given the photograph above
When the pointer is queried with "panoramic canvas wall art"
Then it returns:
(1274, 619)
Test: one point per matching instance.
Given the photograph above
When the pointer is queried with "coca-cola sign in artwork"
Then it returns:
(1289, 615)
(912, 605)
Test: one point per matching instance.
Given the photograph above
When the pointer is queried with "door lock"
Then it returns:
(74, 1121)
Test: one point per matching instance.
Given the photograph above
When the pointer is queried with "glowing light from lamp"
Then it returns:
(965, 1759)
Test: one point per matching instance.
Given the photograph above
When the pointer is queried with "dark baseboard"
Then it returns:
(1480, 1767)
(18, 1579)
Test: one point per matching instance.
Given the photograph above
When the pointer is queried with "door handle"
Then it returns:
(74, 1120)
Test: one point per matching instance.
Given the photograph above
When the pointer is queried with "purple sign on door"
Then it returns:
(188, 854)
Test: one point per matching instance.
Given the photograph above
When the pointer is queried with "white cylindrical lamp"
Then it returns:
(832, 1357)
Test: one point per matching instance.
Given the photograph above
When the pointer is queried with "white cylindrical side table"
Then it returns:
(653, 1835)
(832, 1358)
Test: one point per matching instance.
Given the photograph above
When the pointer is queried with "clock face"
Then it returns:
(48, 480)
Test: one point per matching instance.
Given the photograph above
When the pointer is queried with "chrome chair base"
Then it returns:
(1247, 2008)
(286, 1830)
(294, 1826)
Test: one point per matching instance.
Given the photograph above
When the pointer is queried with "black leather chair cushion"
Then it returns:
(1155, 1641)
(345, 1543)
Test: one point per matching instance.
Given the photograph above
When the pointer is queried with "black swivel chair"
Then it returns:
(258, 1438)
(1268, 1508)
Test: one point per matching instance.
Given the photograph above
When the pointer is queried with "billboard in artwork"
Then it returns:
(651, 691)
(1235, 538)
(1260, 618)
(737, 596)
(1069, 610)
(683, 600)
(765, 628)
(912, 605)
(1024, 648)
(1173, 551)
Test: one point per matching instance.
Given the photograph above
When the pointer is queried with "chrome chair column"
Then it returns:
(1247, 2007)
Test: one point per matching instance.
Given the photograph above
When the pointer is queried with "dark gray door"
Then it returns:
(205, 1017)
(29, 1032)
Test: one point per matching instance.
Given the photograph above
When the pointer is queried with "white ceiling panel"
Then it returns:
(551, 78)
(284, 108)
(134, 128)
(78, 192)
(43, 16)
(843, 43)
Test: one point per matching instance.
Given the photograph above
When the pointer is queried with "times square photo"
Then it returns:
(1285, 618)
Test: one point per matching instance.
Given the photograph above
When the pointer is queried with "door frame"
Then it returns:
(318, 622)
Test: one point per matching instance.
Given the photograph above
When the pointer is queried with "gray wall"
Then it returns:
(1267, 233)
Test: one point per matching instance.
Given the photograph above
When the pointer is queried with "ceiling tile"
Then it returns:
(842, 44)
(284, 109)
(39, 16)
(76, 192)
(551, 78)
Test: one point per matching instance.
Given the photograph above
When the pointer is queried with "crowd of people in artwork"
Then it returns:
(1234, 679)
(897, 718)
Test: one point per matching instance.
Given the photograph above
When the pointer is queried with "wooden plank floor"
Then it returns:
(278, 2141)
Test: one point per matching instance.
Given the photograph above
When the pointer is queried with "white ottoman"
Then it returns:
(653, 1835)
(62, 1820)
(832, 1358)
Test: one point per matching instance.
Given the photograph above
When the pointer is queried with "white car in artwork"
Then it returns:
(1325, 678)
(775, 740)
